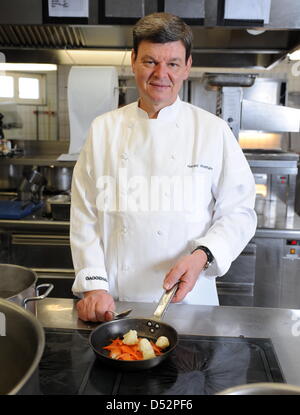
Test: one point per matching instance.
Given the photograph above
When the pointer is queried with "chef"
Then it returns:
(161, 192)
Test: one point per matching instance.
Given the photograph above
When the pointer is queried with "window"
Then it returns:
(6, 86)
(22, 88)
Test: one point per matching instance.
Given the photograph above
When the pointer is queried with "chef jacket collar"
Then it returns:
(167, 113)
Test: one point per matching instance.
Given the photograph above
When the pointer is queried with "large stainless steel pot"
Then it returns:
(58, 178)
(10, 176)
(263, 388)
(18, 284)
(22, 343)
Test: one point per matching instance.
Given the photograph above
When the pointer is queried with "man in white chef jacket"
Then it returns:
(161, 192)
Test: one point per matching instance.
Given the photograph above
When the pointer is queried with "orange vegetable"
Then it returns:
(118, 350)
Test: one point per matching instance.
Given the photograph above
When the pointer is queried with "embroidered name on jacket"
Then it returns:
(203, 166)
(95, 278)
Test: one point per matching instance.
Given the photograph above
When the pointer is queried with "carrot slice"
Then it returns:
(118, 350)
(156, 349)
(125, 356)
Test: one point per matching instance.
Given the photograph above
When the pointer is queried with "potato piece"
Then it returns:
(162, 342)
(146, 349)
(130, 337)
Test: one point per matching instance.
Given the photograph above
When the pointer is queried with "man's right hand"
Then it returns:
(94, 306)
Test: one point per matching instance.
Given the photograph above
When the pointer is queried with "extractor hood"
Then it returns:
(215, 44)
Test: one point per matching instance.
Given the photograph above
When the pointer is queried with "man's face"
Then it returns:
(159, 69)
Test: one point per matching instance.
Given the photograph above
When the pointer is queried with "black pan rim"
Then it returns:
(131, 362)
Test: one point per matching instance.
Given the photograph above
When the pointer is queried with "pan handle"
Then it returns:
(164, 302)
(39, 296)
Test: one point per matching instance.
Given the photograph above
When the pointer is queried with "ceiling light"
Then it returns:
(31, 67)
(294, 56)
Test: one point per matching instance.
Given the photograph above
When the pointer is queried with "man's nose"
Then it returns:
(161, 70)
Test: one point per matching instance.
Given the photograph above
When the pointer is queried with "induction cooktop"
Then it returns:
(200, 365)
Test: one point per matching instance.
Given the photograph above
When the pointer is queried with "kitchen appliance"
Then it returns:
(275, 174)
(151, 328)
(59, 206)
(29, 198)
(22, 344)
(18, 285)
(58, 179)
(200, 365)
(247, 102)
(263, 389)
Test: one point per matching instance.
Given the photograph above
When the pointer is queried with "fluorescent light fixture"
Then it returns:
(294, 56)
(30, 67)
(99, 57)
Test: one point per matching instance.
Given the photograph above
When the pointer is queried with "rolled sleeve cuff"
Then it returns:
(89, 279)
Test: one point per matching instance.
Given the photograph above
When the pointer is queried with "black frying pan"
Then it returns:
(151, 328)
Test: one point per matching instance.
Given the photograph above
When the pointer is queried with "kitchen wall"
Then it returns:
(42, 126)
(53, 127)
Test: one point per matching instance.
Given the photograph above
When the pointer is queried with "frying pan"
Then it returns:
(151, 328)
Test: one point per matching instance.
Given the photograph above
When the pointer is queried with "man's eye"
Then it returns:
(173, 65)
(149, 62)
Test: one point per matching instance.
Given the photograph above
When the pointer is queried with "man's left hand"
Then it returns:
(186, 271)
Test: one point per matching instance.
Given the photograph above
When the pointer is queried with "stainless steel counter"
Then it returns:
(37, 160)
(282, 326)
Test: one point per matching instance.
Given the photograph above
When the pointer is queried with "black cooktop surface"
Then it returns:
(199, 365)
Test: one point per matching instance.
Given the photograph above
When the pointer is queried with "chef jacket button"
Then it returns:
(125, 268)
(172, 157)
(124, 156)
(124, 229)
(159, 233)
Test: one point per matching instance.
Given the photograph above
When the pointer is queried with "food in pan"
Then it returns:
(130, 337)
(133, 347)
(146, 349)
(162, 342)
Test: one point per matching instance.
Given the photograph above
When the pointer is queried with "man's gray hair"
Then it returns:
(162, 28)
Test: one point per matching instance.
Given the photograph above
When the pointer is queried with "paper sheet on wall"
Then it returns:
(92, 91)
(248, 10)
(63, 8)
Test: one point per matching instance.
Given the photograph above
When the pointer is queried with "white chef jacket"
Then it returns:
(146, 192)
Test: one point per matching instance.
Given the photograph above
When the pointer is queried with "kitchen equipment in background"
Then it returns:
(21, 348)
(246, 102)
(59, 206)
(275, 173)
(18, 284)
(29, 197)
(32, 187)
(236, 287)
(270, 388)
(11, 176)
(58, 178)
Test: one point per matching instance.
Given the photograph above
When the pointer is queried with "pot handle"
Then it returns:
(164, 302)
(38, 295)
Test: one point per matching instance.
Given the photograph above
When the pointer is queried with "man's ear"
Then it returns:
(133, 58)
(188, 66)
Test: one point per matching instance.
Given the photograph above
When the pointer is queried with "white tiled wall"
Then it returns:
(43, 126)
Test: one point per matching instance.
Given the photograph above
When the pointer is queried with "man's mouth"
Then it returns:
(156, 85)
